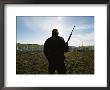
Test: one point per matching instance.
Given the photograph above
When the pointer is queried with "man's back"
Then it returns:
(54, 47)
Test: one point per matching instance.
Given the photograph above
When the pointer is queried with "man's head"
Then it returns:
(55, 32)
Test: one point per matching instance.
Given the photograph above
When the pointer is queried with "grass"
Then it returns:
(78, 62)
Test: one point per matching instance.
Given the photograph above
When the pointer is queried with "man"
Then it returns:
(54, 48)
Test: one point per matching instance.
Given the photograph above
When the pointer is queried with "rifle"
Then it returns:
(70, 35)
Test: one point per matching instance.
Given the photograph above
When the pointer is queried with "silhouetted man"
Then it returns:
(54, 49)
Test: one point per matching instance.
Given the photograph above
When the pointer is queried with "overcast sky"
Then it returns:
(36, 29)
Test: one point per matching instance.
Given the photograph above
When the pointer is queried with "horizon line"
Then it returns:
(42, 44)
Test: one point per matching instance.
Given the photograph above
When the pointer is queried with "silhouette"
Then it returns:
(54, 48)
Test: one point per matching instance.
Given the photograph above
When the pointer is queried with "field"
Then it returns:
(77, 62)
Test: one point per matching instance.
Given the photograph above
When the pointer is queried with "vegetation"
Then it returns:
(33, 62)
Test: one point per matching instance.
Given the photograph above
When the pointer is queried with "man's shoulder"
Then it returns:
(60, 37)
(48, 39)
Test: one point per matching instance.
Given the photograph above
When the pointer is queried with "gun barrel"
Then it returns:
(70, 34)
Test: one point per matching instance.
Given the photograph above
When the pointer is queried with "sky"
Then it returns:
(36, 29)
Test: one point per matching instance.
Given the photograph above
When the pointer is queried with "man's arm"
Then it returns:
(45, 49)
(66, 47)
(65, 44)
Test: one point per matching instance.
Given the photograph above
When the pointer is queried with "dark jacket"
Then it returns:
(54, 47)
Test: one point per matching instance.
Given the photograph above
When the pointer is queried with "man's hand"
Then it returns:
(66, 43)
(66, 47)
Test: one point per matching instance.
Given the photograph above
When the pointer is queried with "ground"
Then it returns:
(77, 62)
